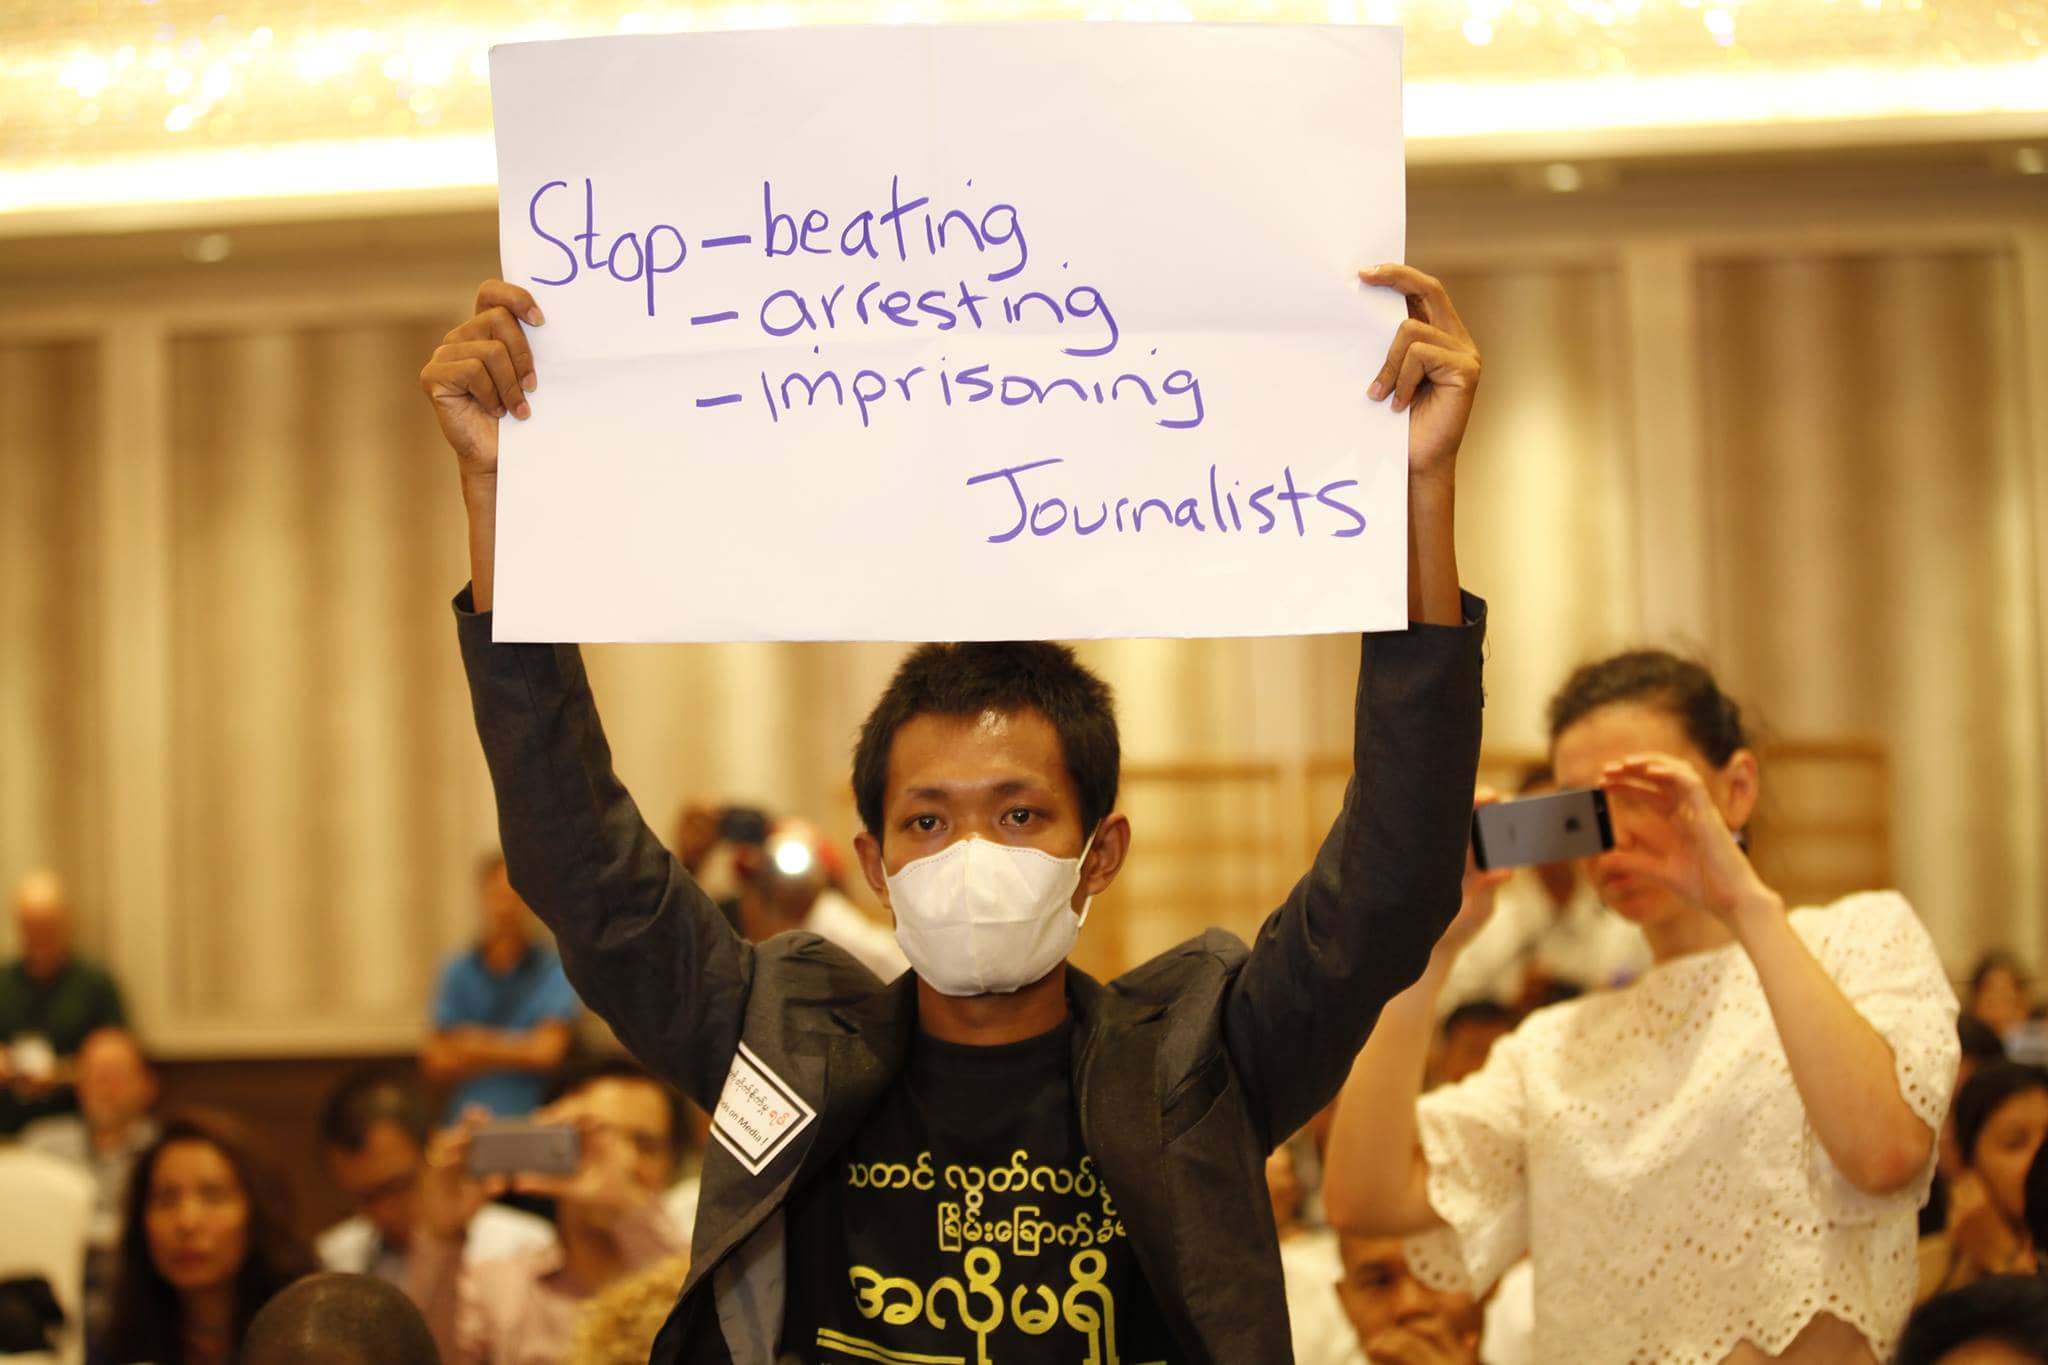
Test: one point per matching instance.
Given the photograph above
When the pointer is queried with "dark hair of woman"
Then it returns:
(1655, 677)
(147, 1322)
(1995, 960)
(1985, 1093)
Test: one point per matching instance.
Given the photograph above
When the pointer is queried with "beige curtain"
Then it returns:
(1869, 548)
(54, 766)
(326, 802)
(1873, 549)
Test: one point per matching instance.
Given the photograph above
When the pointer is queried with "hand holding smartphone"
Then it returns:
(507, 1148)
(1554, 828)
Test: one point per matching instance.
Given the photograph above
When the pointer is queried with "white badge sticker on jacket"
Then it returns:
(759, 1114)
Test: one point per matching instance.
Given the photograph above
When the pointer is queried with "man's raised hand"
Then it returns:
(482, 370)
(1431, 371)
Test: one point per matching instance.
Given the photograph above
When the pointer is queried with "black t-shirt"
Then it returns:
(965, 1222)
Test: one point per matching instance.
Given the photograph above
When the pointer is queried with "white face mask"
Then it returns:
(981, 918)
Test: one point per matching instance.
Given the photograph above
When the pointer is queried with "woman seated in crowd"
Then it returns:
(206, 1240)
(1998, 992)
(1719, 1162)
(2001, 1115)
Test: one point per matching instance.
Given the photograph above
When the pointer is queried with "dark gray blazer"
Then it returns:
(1187, 1071)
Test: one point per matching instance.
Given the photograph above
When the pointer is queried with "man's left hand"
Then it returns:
(1431, 372)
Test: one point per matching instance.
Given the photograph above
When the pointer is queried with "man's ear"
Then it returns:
(1105, 857)
(868, 849)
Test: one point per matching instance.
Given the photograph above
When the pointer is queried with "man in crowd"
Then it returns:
(373, 1138)
(882, 1150)
(610, 1222)
(50, 999)
(1398, 1319)
(116, 1091)
(504, 1012)
(790, 881)
(335, 1319)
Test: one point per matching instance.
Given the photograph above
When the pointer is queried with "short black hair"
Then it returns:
(1979, 1041)
(1490, 1012)
(335, 1319)
(2012, 1309)
(1711, 718)
(368, 1097)
(1005, 677)
(1984, 1094)
(587, 1071)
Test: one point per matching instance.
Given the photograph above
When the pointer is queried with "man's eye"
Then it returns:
(924, 824)
(1019, 816)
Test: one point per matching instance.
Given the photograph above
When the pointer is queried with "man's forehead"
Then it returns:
(1358, 1252)
(987, 749)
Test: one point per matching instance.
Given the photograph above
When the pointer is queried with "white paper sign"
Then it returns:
(980, 332)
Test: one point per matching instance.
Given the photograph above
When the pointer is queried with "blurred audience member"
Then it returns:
(373, 1137)
(334, 1319)
(1981, 1048)
(610, 1222)
(504, 1012)
(1308, 1260)
(116, 1091)
(704, 829)
(1465, 1037)
(50, 999)
(1395, 1318)
(709, 842)
(1548, 926)
(619, 1326)
(2001, 1117)
(1999, 1321)
(206, 1241)
(1998, 992)
(791, 881)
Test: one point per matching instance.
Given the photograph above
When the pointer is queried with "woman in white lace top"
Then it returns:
(1719, 1162)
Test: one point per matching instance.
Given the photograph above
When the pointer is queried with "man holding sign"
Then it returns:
(1042, 367)
(994, 1156)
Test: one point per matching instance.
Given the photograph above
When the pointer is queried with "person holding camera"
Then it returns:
(521, 1308)
(789, 877)
(1718, 1162)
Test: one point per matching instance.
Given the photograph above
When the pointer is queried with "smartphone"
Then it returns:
(1542, 829)
(529, 1148)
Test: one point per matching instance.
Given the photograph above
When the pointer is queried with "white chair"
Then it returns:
(46, 1208)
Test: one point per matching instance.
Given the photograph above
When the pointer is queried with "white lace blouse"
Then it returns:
(1647, 1149)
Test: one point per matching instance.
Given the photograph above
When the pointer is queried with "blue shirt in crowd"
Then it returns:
(472, 996)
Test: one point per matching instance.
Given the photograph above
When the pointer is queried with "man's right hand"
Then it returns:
(449, 1195)
(1480, 888)
(482, 370)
